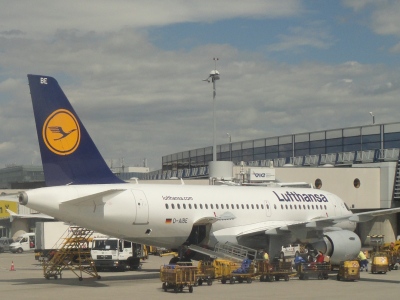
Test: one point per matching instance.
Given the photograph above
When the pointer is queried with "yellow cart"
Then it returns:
(177, 277)
(349, 270)
(205, 272)
(380, 263)
(274, 271)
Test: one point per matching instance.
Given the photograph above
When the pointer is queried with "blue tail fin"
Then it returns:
(69, 155)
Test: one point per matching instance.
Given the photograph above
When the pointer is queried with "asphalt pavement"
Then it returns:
(27, 282)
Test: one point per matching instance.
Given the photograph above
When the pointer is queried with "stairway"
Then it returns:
(396, 188)
(228, 251)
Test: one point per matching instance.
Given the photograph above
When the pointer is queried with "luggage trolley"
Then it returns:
(320, 270)
(205, 272)
(177, 277)
(243, 273)
(274, 271)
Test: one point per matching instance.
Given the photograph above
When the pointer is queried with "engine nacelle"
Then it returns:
(339, 245)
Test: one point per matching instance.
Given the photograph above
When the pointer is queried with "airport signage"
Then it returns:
(262, 174)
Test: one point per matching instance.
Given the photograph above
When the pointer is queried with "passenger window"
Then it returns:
(248, 207)
(166, 205)
(242, 206)
(173, 206)
(232, 206)
(237, 206)
(212, 207)
(282, 206)
(190, 206)
(290, 206)
(216, 205)
(262, 206)
(184, 205)
(267, 206)
(312, 206)
(286, 206)
(201, 206)
(206, 206)
(275, 206)
(222, 206)
(195, 206)
(252, 206)
(179, 206)
(316, 206)
(257, 206)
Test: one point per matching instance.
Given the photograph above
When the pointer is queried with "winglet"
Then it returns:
(69, 155)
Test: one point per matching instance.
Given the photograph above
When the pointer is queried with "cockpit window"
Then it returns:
(346, 206)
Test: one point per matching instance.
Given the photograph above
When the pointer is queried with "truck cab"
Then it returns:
(110, 253)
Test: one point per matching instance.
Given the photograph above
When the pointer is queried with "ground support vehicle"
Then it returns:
(25, 242)
(313, 269)
(5, 244)
(349, 270)
(379, 263)
(73, 255)
(274, 271)
(232, 272)
(49, 236)
(110, 253)
(205, 272)
(177, 277)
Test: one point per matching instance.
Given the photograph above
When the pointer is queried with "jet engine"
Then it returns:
(339, 245)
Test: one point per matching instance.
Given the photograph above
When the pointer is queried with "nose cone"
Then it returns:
(23, 198)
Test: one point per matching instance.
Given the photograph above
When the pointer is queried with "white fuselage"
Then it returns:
(164, 215)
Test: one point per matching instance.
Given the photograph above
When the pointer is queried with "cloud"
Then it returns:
(140, 101)
(301, 38)
(43, 17)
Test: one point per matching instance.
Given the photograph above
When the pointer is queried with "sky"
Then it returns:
(134, 70)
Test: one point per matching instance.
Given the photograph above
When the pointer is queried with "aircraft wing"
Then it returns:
(319, 224)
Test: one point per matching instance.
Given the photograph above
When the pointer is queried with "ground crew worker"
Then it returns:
(320, 257)
(266, 256)
(363, 261)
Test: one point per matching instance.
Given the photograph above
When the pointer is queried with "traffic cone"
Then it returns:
(12, 266)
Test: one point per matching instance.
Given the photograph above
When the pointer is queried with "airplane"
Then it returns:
(82, 190)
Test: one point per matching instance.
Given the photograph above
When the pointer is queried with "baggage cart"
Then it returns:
(205, 272)
(274, 271)
(177, 277)
(312, 269)
(380, 263)
(228, 271)
(349, 270)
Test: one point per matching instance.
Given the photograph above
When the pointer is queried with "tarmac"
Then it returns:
(27, 282)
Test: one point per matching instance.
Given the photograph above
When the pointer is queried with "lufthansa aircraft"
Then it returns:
(82, 190)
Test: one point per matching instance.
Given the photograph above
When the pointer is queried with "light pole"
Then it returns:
(214, 75)
(230, 146)
(373, 117)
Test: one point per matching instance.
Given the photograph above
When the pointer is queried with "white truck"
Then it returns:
(49, 237)
(110, 253)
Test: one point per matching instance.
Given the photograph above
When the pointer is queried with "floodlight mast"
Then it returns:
(214, 75)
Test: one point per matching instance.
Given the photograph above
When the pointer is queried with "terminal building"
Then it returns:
(359, 164)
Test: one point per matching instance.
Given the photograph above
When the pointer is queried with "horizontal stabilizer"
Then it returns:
(94, 199)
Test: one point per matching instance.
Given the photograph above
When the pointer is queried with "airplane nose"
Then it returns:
(23, 198)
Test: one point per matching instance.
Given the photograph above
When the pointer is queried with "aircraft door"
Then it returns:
(268, 208)
(142, 208)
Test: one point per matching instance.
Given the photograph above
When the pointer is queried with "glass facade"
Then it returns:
(363, 138)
